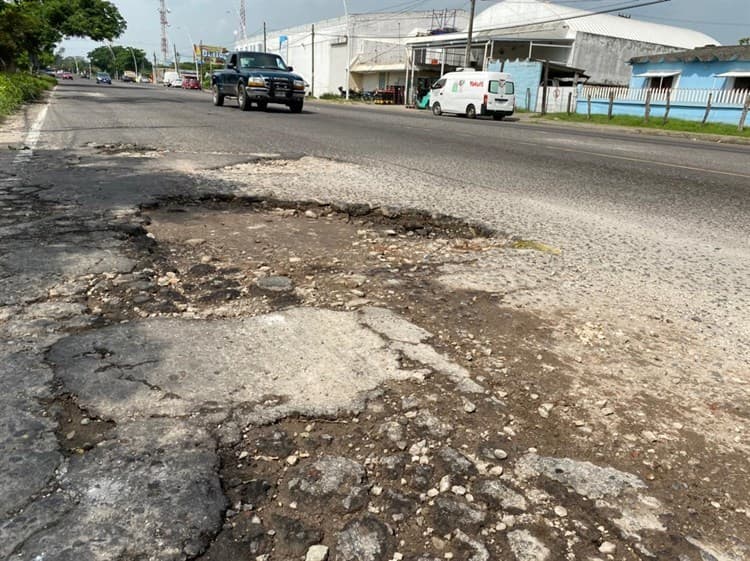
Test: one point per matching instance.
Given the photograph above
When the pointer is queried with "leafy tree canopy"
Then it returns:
(29, 29)
(745, 41)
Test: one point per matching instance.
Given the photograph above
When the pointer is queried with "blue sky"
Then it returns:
(214, 22)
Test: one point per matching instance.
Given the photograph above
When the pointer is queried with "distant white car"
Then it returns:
(176, 83)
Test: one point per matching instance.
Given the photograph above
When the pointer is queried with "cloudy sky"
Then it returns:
(215, 22)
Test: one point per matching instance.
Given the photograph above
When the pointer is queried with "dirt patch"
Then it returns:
(77, 431)
(233, 258)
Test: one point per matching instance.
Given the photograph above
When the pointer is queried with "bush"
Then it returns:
(330, 96)
(18, 88)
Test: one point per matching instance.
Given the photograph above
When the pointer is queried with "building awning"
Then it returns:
(735, 74)
(657, 74)
(373, 68)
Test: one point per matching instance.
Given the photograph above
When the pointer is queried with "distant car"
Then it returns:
(145, 80)
(129, 76)
(176, 83)
(103, 78)
(191, 83)
(67, 75)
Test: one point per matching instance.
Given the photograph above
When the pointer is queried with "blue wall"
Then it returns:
(527, 75)
(693, 75)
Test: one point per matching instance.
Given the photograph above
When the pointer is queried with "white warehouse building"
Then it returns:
(377, 52)
(391, 49)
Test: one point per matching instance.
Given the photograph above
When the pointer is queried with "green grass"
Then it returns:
(656, 123)
(18, 88)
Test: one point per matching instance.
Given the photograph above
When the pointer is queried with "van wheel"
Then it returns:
(242, 100)
(436, 109)
(218, 98)
(471, 112)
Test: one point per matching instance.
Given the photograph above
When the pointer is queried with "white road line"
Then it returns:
(32, 139)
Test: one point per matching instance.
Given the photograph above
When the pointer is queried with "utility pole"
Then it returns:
(164, 23)
(265, 38)
(154, 77)
(467, 56)
(243, 19)
(176, 66)
(348, 48)
(312, 81)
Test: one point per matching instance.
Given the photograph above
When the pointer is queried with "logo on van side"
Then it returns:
(474, 84)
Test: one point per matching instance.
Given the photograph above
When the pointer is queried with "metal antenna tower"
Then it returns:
(243, 19)
(164, 23)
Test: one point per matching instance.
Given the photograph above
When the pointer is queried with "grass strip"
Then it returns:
(655, 123)
(18, 88)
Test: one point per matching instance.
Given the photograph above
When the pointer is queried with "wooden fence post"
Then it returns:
(611, 105)
(528, 99)
(743, 116)
(570, 101)
(708, 109)
(668, 107)
(647, 114)
(588, 103)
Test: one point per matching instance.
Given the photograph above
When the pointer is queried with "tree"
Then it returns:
(29, 29)
(744, 41)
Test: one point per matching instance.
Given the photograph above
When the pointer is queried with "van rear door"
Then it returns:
(501, 96)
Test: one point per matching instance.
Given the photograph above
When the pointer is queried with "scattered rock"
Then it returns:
(498, 495)
(364, 539)
(526, 547)
(479, 550)
(275, 284)
(317, 553)
(607, 548)
(584, 478)
(293, 537)
(456, 464)
(333, 481)
(450, 513)
(425, 420)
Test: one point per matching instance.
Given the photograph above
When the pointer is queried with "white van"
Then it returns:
(169, 77)
(471, 93)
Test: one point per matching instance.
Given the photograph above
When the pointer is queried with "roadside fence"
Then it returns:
(714, 106)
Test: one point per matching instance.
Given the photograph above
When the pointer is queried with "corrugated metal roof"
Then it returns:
(514, 14)
(730, 53)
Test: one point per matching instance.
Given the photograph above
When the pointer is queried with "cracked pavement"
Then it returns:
(433, 385)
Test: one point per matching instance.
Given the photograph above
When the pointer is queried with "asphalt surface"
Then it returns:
(638, 279)
(661, 220)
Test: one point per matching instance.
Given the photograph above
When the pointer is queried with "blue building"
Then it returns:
(711, 82)
(705, 68)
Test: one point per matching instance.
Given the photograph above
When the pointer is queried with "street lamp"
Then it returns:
(135, 64)
(114, 58)
(348, 48)
(195, 58)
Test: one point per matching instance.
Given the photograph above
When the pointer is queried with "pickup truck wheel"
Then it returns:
(242, 100)
(296, 106)
(436, 109)
(471, 112)
(218, 98)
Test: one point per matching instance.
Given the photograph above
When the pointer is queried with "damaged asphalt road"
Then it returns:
(264, 356)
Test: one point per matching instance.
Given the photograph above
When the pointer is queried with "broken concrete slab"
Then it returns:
(177, 367)
(155, 482)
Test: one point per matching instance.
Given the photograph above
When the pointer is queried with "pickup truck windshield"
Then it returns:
(262, 60)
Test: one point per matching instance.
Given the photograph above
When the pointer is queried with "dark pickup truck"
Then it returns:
(259, 78)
